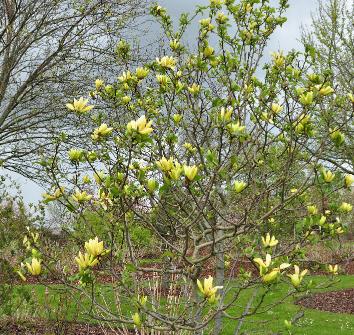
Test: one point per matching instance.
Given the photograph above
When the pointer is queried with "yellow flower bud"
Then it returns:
(207, 288)
(165, 164)
(141, 72)
(297, 277)
(239, 186)
(81, 196)
(141, 125)
(94, 248)
(276, 108)
(312, 210)
(167, 62)
(345, 207)
(35, 267)
(208, 51)
(136, 319)
(348, 180)
(269, 241)
(194, 89)
(102, 131)
(306, 98)
(324, 90)
(328, 176)
(190, 171)
(177, 118)
(99, 84)
(333, 269)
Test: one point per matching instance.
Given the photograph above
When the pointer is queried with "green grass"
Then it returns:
(57, 301)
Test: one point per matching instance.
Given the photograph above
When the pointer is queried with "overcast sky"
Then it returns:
(285, 39)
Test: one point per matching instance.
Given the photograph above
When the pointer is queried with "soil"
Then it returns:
(335, 301)
(42, 328)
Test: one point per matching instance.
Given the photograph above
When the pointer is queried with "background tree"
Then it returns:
(330, 42)
(49, 51)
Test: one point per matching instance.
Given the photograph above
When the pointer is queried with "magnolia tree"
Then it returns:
(220, 160)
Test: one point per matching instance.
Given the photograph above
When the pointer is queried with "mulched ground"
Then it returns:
(41, 328)
(336, 301)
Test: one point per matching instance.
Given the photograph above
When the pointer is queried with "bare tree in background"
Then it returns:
(49, 51)
(330, 41)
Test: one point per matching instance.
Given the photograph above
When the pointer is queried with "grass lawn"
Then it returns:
(52, 302)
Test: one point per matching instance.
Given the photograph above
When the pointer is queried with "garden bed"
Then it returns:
(41, 327)
(335, 301)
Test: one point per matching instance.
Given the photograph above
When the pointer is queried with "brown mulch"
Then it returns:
(41, 328)
(335, 301)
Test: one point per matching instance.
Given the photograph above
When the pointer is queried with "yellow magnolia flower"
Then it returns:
(239, 186)
(126, 76)
(56, 195)
(322, 220)
(75, 154)
(207, 288)
(306, 98)
(269, 241)
(194, 89)
(205, 22)
(94, 248)
(339, 230)
(271, 276)
(126, 99)
(225, 114)
(345, 207)
(136, 319)
(165, 164)
(348, 180)
(189, 147)
(351, 97)
(190, 171)
(208, 51)
(324, 90)
(216, 2)
(337, 136)
(176, 171)
(312, 210)
(276, 108)
(86, 260)
(328, 176)
(333, 269)
(175, 44)
(152, 185)
(86, 179)
(80, 106)
(102, 131)
(141, 72)
(278, 58)
(99, 84)
(177, 118)
(236, 128)
(167, 62)
(81, 196)
(35, 267)
(163, 80)
(221, 18)
(140, 125)
(297, 277)
(263, 265)
(142, 300)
